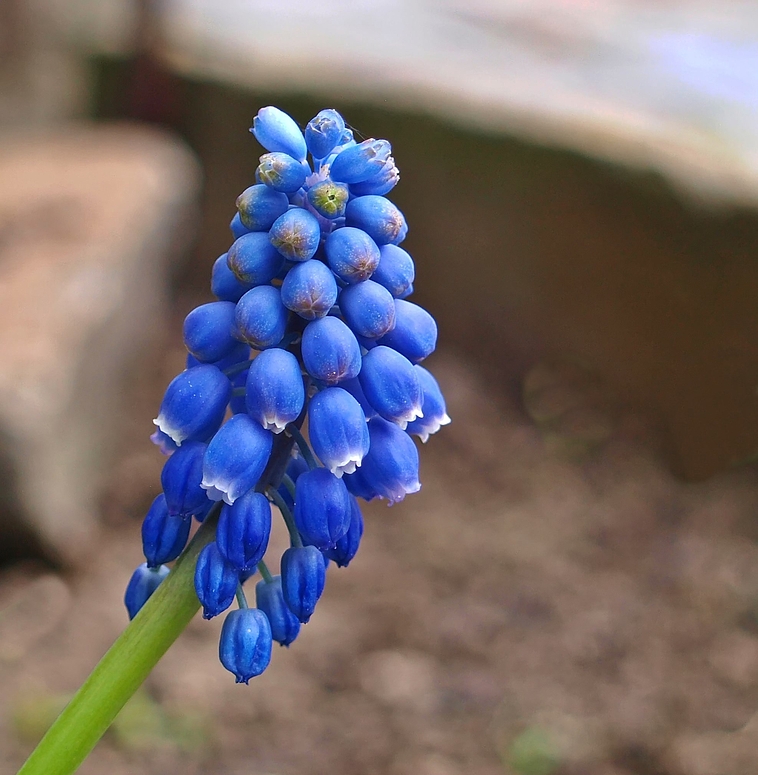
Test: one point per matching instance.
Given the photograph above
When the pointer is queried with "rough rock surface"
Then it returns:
(90, 222)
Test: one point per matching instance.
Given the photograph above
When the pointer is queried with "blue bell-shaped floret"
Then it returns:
(330, 351)
(303, 580)
(322, 508)
(390, 470)
(225, 285)
(353, 386)
(415, 331)
(254, 260)
(245, 644)
(378, 217)
(381, 183)
(337, 430)
(259, 206)
(368, 308)
(164, 535)
(181, 477)
(358, 486)
(323, 133)
(194, 404)
(237, 228)
(243, 531)
(208, 331)
(235, 458)
(309, 289)
(278, 132)
(352, 255)
(281, 172)
(396, 271)
(142, 584)
(360, 162)
(164, 442)
(391, 385)
(270, 599)
(347, 546)
(433, 406)
(216, 581)
(329, 199)
(275, 392)
(261, 317)
(296, 234)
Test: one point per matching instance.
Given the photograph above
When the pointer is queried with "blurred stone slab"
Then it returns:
(670, 86)
(90, 221)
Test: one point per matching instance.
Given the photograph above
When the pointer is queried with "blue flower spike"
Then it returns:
(245, 644)
(302, 387)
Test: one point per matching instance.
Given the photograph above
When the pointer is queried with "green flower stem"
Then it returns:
(124, 667)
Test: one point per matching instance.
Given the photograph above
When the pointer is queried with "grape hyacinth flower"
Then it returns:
(302, 388)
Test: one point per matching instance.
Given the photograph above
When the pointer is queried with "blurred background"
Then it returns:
(575, 589)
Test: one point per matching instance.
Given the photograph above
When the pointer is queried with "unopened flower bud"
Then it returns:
(164, 535)
(279, 133)
(245, 644)
(322, 508)
(243, 531)
(216, 581)
(275, 393)
(142, 584)
(235, 458)
(194, 404)
(303, 580)
(269, 598)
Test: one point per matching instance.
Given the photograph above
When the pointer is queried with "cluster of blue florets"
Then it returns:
(302, 387)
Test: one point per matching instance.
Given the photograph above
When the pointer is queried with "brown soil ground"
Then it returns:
(553, 601)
